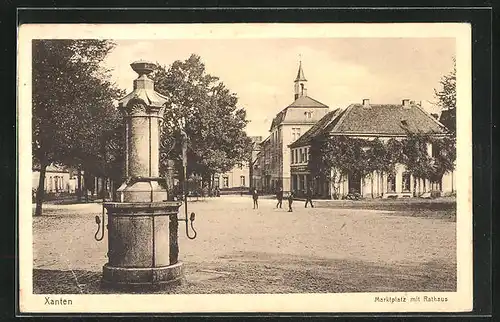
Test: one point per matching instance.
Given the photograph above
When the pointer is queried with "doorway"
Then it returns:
(354, 182)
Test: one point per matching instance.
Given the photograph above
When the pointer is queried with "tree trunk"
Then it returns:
(96, 187)
(371, 176)
(85, 188)
(40, 192)
(378, 184)
(79, 188)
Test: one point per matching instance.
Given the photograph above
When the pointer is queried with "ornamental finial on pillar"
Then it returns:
(143, 94)
(143, 67)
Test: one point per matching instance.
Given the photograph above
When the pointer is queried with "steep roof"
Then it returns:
(306, 101)
(301, 102)
(378, 119)
(391, 119)
(279, 118)
(317, 128)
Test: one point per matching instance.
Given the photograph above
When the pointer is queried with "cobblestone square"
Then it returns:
(266, 250)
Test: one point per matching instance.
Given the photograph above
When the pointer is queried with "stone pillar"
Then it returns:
(399, 180)
(143, 226)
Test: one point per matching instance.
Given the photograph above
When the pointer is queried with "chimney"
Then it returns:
(366, 102)
(406, 103)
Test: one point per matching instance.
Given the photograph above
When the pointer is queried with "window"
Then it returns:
(295, 133)
(293, 157)
(406, 182)
(391, 183)
(307, 155)
(216, 182)
(226, 182)
(242, 181)
(308, 114)
(430, 149)
(435, 151)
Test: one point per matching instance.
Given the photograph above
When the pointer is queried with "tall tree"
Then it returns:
(214, 124)
(447, 98)
(72, 104)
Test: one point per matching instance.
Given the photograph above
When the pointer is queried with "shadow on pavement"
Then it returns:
(259, 272)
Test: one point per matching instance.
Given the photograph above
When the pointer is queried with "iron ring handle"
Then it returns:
(98, 222)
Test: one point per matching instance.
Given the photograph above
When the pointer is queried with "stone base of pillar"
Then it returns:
(142, 192)
(142, 245)
(142, 279)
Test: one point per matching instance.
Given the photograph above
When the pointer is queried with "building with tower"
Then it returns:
(287, 126)
(367, 122)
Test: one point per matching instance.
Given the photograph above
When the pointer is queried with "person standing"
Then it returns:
(279, 196)
(255, 197)
(309, 195)
(290, 201)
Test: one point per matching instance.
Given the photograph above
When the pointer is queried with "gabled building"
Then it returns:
(368, 121)
(288, 125)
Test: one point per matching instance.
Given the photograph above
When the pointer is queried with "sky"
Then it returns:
(340, 71)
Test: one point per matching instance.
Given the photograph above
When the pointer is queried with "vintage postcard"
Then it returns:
(245, 168)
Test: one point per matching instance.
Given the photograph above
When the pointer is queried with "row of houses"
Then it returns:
(61, 180)
(283, 157)
(281, 160)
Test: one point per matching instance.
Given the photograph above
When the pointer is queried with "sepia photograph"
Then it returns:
(245, 168)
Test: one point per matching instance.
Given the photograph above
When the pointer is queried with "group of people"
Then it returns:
(279, 197)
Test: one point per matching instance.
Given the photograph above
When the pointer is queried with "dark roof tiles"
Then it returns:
(377, 119)
(306, 101)
(386, 119)
(317, 128)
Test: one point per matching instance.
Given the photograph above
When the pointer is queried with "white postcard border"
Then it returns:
(460, 301)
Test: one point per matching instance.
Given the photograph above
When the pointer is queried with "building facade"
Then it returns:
(255, 173)
(368, 121)
(288, 125)
(57, 180)
(237, 177)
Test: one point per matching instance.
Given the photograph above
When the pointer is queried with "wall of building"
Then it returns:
(376, 185)
(449, 183)
(55, 181)
(287, 157)
(237, 177)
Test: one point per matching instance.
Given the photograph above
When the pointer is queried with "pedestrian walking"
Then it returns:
(279, 196)
(255, 197)
(290, 201)
(309, 195)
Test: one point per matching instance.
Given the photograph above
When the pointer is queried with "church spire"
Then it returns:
(300, 74)
(300, 83)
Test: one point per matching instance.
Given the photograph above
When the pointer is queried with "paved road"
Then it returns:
(272, 250)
